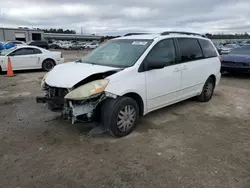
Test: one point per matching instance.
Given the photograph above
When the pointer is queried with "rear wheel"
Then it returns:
(48, 64)
(208, 90)
(119, 116)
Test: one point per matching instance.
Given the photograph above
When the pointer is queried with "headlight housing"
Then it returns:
(87, 90)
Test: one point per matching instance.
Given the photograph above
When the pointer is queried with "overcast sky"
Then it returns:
(122, 16)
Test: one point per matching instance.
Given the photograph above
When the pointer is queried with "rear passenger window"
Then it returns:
(190, 49)
(207, 48)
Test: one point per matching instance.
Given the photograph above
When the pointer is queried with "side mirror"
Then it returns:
(155, 65)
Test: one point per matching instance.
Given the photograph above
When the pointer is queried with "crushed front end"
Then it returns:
(76, 104)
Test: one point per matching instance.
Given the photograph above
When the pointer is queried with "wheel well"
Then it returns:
(138, 100)
(213, 77)
(49, 59)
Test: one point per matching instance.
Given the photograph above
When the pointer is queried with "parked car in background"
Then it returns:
(242, 43)
(76, 46)
(7, 45)
(227, 48)
(1, 46)
(131, 76)
(82, 44)
(41, 44)
(237, 61)
(66, 45)
(91, 45)
(54, 46)
(30, 57)
(17, 43)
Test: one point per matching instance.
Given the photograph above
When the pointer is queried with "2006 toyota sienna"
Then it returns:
(131, 76)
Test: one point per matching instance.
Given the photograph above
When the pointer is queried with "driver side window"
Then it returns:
(17, 52)
(163, 52)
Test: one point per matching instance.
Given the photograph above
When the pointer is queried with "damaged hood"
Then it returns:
(69, 74)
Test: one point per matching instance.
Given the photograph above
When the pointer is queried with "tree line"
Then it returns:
(66, 31)
(228, 36)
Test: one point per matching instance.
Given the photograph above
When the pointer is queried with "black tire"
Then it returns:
(208, 90)
(110, 113)
(1, 71)
(48, 64)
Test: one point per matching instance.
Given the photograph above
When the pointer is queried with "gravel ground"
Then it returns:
(188, 144)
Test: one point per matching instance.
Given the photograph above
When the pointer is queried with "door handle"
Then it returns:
(177, 69)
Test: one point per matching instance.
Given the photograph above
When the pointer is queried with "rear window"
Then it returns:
(190, 49)
(207, 48)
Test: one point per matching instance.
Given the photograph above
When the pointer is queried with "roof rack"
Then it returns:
(129, 34)
(181, 32)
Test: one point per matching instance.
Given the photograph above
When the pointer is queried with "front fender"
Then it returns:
(134, 84)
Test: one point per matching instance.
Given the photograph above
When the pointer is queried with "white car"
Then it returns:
(227, 48)
(65, 45)
(30, 57)
(17, 43)
(92, 45)
(131, 76)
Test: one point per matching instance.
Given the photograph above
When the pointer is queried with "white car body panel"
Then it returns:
(59, 76)
(195, 74)
(33, 61)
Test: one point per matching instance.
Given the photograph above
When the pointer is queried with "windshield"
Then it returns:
(241, 51)
(118, 53)
(6, 51)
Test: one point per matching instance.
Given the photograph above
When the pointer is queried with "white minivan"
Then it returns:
(131, 76)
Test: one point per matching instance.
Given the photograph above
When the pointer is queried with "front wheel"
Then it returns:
(119, 116)
(208, 90)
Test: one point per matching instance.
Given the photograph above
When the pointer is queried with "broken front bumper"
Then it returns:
(73, 110)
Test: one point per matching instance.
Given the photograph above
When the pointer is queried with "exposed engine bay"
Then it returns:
(78, 103)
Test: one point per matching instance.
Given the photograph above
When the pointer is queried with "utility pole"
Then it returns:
(81, 30)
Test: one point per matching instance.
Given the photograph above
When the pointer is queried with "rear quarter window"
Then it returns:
(37, 51)
(207, 48)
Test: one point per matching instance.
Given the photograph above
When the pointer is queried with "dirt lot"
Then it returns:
(189, 144)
